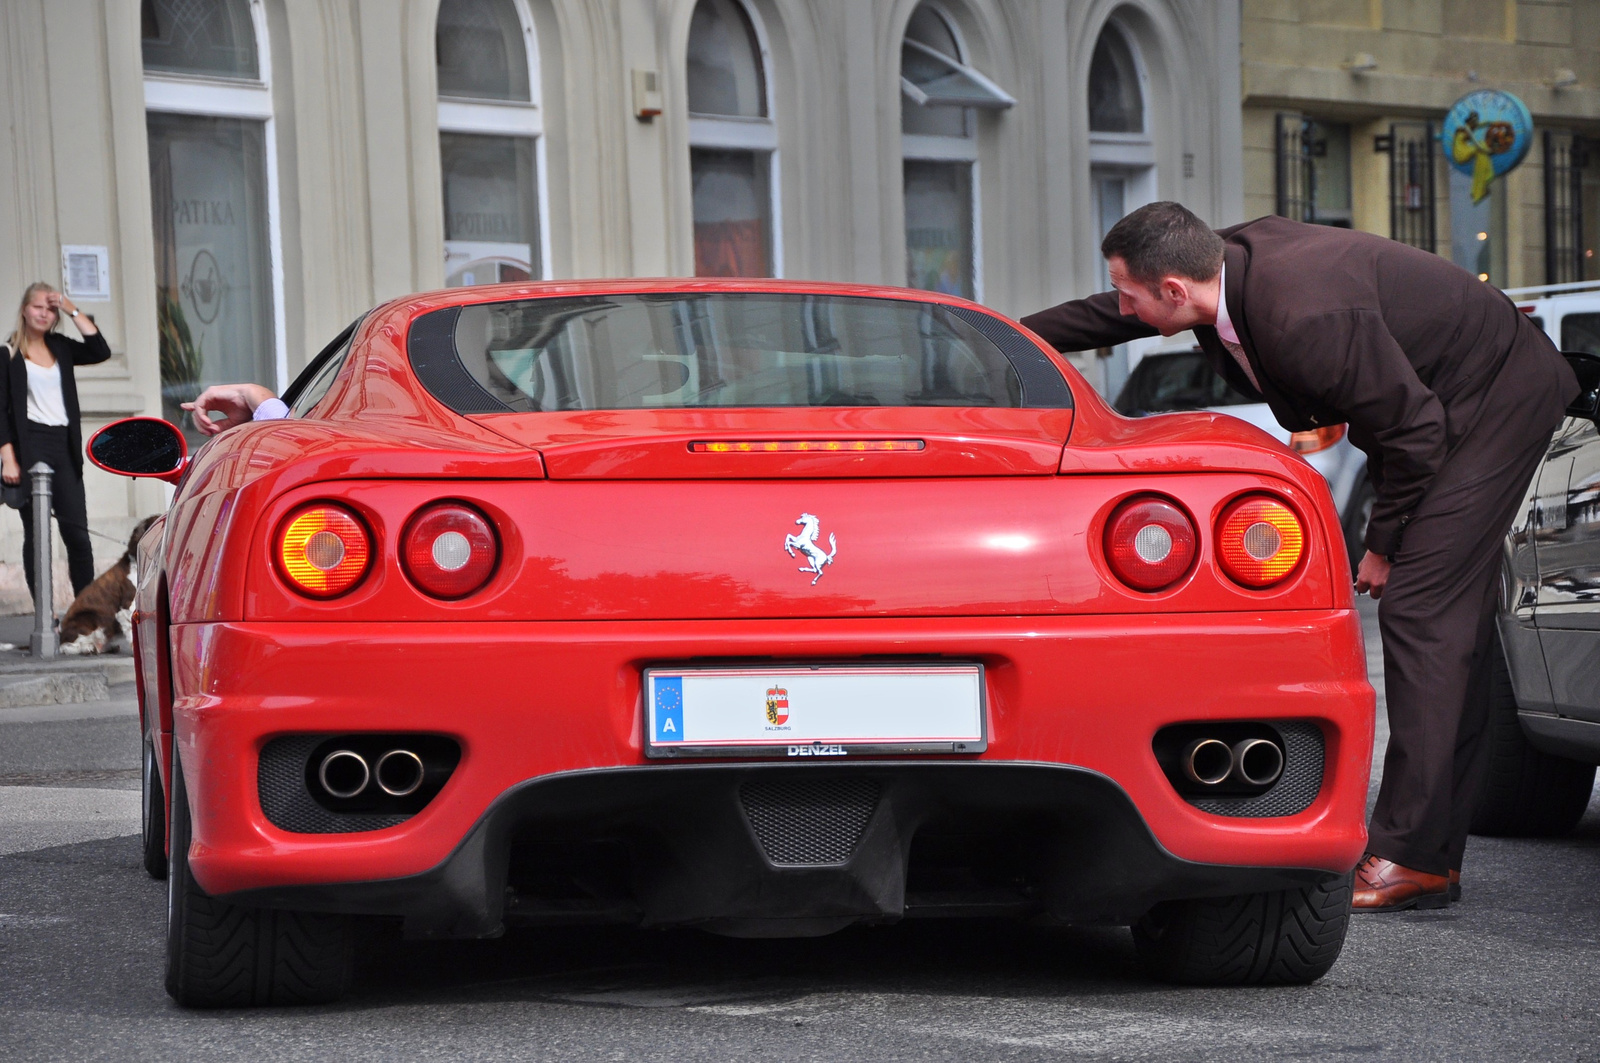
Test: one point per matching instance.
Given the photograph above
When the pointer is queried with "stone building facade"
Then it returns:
(229, 182)
(1342, 106)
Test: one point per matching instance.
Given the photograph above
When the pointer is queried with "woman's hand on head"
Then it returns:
(235, 402)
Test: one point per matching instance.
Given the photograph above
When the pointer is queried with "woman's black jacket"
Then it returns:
(14, 391)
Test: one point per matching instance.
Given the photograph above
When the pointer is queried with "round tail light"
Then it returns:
(323, 550)
(1260, 541)
(1150, 543)
(449, 550)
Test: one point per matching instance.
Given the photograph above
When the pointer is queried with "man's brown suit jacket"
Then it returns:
(1343, 326)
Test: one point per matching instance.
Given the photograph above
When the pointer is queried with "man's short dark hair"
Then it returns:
(1164, 239)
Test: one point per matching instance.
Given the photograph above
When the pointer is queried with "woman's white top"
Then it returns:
(45, 405)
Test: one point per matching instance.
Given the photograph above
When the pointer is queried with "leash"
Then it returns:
(99, 535)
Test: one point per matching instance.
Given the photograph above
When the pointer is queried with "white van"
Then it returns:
(1568, 313)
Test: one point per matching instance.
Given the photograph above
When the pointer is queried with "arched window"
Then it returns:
(1122, 156)
(490, 142)
(1116, 104)
(725, 75)
(939, 96)
(733, 145)
(481, 51)
(214, 202)
(195, 37)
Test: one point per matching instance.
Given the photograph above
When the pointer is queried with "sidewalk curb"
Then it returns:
(25, 691)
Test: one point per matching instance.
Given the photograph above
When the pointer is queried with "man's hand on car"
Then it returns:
(235, 402)
(1372, 574)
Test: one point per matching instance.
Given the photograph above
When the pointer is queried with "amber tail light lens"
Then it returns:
(1149, 542)
(1317, 439)
(323, 550)
(449, 550)
(1260, 541)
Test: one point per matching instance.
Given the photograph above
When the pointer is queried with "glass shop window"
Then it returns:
(491, 210)
(489, 129)
(1589, 193)
(732, 213)
(1478, 230)
(214, 38)
(732, 144)
(1313, 170)
(213, 262)
(939, 226)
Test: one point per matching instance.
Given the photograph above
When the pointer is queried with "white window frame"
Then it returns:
(919, 147)
(731, 133)
(222, 97)
(514, 118)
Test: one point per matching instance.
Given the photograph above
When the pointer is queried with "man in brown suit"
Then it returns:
(1453, 395)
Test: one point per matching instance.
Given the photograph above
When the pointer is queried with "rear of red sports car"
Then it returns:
(766, 609)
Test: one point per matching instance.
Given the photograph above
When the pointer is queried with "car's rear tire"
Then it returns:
(1525, 793)
(1289, 937)
(153, 814)
(222, 955)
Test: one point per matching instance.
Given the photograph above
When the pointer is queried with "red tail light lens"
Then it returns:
(1150, 543)
(1260, 541)
(323, 550)
(449, 550)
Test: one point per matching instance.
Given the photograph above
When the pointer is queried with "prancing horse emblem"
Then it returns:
(806, 543)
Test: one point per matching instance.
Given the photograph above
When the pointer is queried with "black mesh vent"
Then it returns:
(281, 784)
(431, 346)
(1303, 758)
(809, 821)
(1042, 384)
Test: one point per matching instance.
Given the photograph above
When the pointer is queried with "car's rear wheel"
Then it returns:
(153, 814)
(222, 955)
(1525, 793)
(1288, 937)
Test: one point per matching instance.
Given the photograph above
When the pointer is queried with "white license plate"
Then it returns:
(814, 711)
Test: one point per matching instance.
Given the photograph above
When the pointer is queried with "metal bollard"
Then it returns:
(43, 641)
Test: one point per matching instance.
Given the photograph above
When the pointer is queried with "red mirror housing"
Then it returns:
(140, 446)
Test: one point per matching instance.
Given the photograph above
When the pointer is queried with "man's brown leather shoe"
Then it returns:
(1455, 885)
(1385, 886)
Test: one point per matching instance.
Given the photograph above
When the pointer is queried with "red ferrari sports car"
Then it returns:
(760, 607)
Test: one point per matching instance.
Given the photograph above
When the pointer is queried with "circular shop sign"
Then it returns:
(1486, 134)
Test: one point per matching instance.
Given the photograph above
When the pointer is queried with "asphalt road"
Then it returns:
(1512, 972)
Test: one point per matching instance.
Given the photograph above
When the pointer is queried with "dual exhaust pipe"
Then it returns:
(345, 773)
(1251, 761)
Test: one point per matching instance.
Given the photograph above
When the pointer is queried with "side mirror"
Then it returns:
(140, 446)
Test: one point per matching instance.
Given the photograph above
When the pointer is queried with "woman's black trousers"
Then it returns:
(50, 444)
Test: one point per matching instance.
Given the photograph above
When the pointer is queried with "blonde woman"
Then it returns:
(39, 419)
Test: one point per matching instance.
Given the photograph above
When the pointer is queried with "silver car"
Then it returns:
(1545, 688)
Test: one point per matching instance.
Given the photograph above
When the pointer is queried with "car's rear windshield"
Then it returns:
(661, 351)
(1164, 383)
